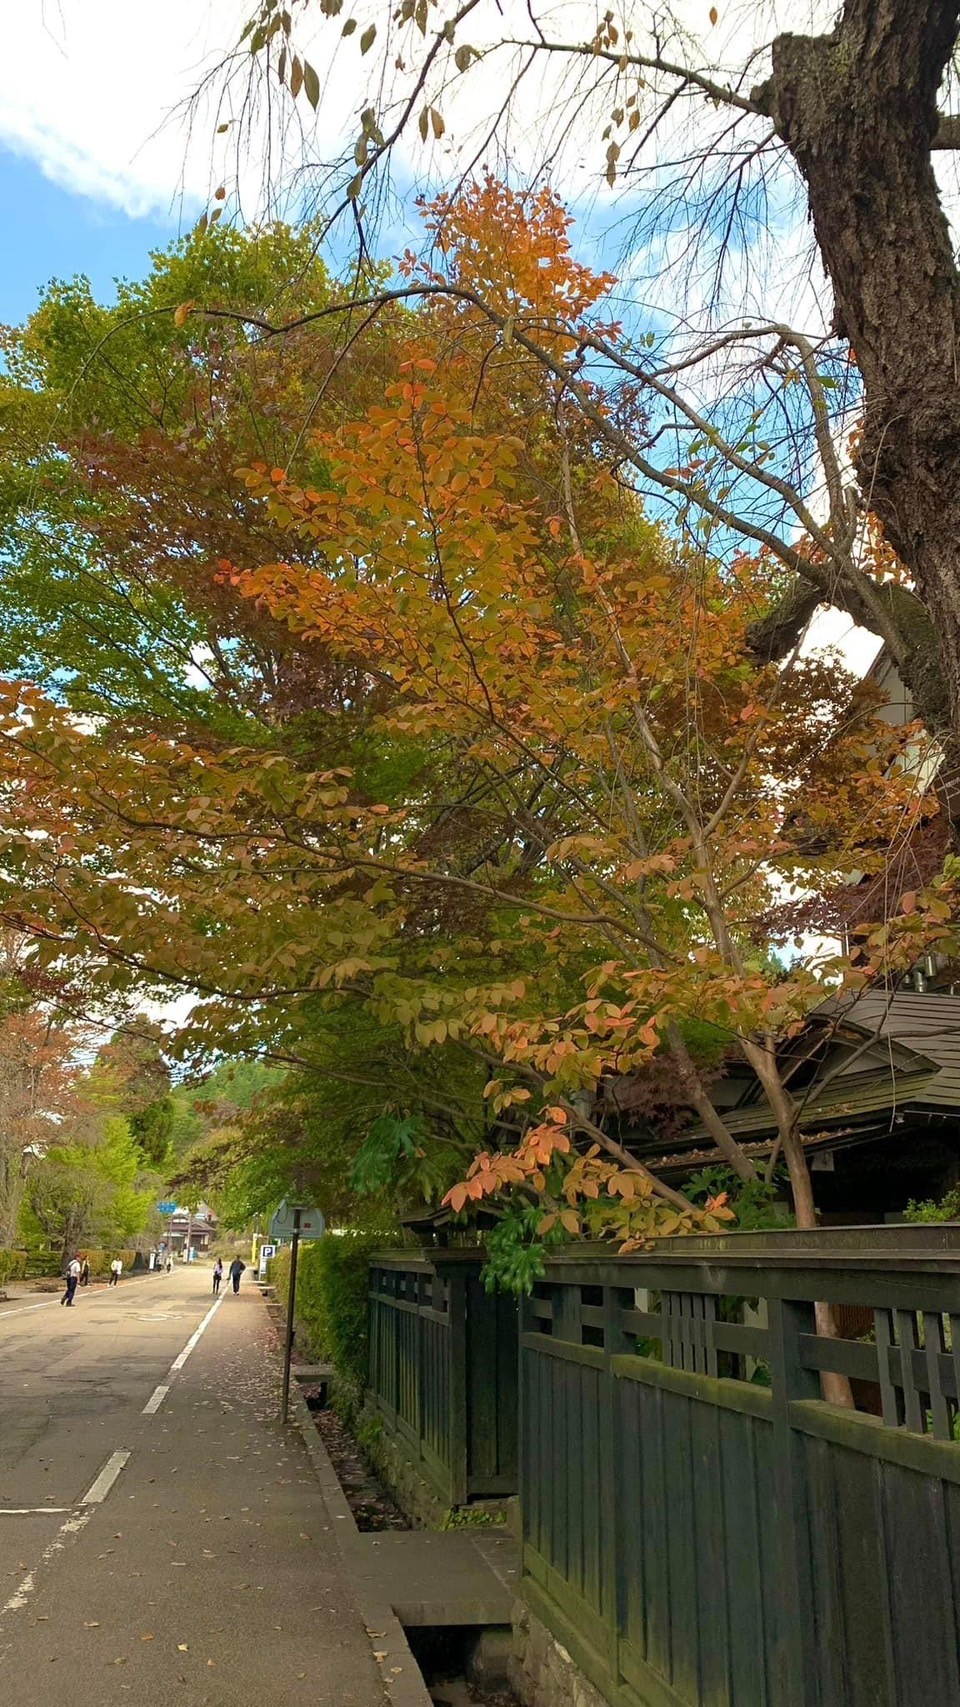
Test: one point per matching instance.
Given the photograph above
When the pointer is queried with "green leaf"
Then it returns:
(311, 85)
(368, 38)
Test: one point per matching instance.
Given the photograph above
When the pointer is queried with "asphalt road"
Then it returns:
(160, 1536)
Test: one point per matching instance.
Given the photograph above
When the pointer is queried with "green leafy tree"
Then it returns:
(121, 427)
(135, 1073)
(87, 1189)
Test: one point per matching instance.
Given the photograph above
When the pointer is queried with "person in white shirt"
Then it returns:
(73, 1275)
(116, 1269)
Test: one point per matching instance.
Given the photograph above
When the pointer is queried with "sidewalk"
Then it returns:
(210, 1574)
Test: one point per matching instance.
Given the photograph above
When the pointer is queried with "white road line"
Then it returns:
(34, 1510)
(22, 1311)
(179, 1362)
(155, 1401)
(24, 1589)
(99, 1489)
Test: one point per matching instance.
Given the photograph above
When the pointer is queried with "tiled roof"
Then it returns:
(863, 1097)
(927, 1024)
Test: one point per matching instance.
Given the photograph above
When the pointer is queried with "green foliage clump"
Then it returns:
(516, 1248)
(86, 1191)
(757, 1203)
(13, 1265)
(331, 1304)
(99, 1261)
(946, 1208)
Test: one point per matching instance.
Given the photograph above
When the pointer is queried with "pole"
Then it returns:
(291, 1299)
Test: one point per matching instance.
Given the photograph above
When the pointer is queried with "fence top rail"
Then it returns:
(428, 1261)
(886, 1240)
(903, 1281)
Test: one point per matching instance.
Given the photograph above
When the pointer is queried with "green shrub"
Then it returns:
(331, 1306)
(100, 1261)
(947, 1208)
(13, 1265)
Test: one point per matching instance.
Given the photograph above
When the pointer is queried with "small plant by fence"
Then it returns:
(443, 1371)
(13, 1265)
(695, 1538)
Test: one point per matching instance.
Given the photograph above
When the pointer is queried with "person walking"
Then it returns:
(236, 1269)
(217, 1276)
(73, 1277)
(84, 1270)
(116, 1269)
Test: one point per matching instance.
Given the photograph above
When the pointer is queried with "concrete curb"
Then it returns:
(402, 1678)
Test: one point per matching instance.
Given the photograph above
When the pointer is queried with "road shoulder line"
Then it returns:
(179, 1362)
(100, 1487)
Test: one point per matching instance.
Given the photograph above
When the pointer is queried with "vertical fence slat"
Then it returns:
(907, 1340)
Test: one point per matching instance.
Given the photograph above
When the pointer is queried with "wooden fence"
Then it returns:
(699, 1527)
(443, 1371)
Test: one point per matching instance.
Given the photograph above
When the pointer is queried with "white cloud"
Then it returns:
(90, 91)
(94, 91)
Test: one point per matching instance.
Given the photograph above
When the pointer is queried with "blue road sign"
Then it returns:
(167, 1208)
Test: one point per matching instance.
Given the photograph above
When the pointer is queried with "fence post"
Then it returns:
(611, 1450)
(788, 1319)
(458, 1386)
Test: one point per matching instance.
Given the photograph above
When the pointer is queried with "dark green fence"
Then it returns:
(443, 1371)
(699, 1527)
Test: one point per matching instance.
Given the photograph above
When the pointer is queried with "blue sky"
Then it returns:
(53, 233)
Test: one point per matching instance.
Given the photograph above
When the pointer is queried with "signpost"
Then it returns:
(312, 1224)
(266, 1252)
(296, 1221)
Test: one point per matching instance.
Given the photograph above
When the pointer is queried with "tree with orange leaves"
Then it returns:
(592, 802)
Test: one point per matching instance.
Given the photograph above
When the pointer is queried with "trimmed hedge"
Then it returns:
(100, 1261)
(331, 1304)
(13, 1265)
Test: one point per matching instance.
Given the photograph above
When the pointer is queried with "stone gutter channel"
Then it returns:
(401, 1675)
(429, 1582)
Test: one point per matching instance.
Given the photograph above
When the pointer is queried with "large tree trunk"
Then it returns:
(858, 111)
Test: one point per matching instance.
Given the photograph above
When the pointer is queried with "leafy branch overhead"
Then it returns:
(487, 762)
(712, 137)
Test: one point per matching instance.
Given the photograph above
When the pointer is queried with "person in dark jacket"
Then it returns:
(236, 1269)
(72, 1278)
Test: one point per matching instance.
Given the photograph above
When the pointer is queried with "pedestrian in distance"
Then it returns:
(169, 1265)
(236, 1269)
(84, 1270)
(217, 1276)
(73, 1277)
(116, 1269)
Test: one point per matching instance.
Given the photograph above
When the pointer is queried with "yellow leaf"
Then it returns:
(181, 314)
